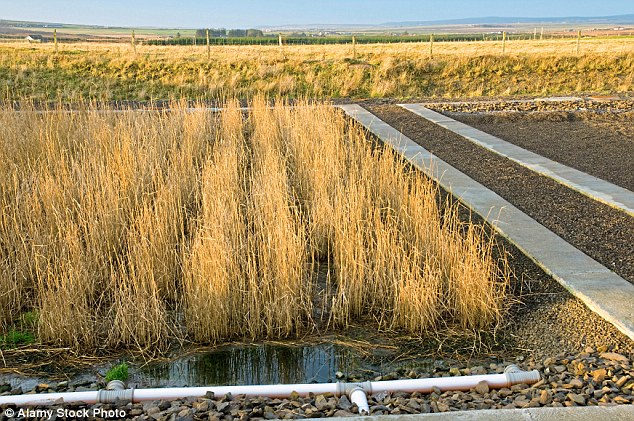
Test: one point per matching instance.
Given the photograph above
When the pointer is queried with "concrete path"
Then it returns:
(593, 187)
(600, 413)
(606, 293)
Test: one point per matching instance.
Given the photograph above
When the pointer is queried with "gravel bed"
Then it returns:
(612, 106)
(487, 105)
(600, 231)
(599, 144)
(592, 377)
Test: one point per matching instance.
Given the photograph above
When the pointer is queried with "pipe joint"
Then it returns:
(344, 388)
(113, 391)
(515, 375)
(115, 385)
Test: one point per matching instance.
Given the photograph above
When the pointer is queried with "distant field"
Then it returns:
(456, 69)
(100, 32)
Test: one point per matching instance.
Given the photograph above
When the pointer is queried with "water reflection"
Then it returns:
(252, 364)
(266, 363)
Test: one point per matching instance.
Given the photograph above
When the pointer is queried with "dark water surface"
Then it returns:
(266, 363)
(251, 364)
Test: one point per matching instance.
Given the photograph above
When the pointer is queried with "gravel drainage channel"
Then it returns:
(603, 233)
(599, 144)
(593, 187)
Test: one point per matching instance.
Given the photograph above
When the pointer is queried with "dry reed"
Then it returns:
(133, 229)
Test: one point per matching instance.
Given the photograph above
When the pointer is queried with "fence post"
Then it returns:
(208, 46)
(504, 42)
(431, 46)
(541, 36)
(535, 34)
(55, 39)
(133, 42)
(354, 48)
(578, 40)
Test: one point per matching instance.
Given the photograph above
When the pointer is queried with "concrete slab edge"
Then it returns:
(588, 185)
(603, 291)
(612, 413)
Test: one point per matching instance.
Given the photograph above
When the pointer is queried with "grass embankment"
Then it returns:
(457, 69)
(131, 230)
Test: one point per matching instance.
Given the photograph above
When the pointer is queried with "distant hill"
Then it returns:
(619, 19)
(18, 28)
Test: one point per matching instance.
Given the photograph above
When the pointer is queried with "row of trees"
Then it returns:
(230, 33)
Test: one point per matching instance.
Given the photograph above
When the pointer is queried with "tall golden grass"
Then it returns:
(458, 69)
(133, 229)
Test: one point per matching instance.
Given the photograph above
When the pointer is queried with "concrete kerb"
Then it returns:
(612, 413)
(604, 292)
(593, 187)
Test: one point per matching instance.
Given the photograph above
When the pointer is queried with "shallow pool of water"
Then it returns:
(251, 364)
(267, 363)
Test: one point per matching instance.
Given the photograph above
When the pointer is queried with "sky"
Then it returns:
(251, 13)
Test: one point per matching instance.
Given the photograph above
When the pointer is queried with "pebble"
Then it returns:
(576, 398)
(344, 403)
(613, 356)
(575, 384)
(442, 407)
(599, 375)
(343, 413)
(621, 382)
(482, 387)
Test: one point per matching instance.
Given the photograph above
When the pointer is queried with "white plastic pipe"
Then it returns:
(357, 392)
(512, 375)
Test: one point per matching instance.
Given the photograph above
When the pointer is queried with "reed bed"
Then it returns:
(136, 230)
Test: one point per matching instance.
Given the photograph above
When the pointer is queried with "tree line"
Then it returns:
(229, 33)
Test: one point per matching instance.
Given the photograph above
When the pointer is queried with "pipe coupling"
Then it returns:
(113, 391)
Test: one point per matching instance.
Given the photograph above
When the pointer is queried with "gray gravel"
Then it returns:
(612, 106)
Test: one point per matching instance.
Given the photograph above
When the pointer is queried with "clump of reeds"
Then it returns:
(131, 229)
(95, 205)
(214, 283)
